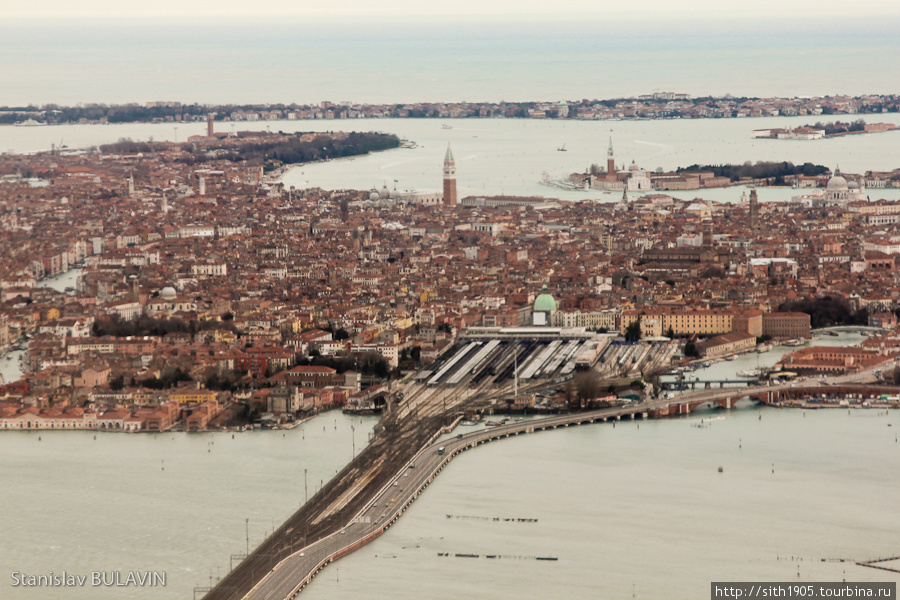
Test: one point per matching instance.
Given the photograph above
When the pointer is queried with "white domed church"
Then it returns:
(839, 192)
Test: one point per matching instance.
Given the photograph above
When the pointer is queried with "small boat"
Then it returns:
(467, 423)
(561, 148)
(831, 333)
(445, 126)
(748, 373)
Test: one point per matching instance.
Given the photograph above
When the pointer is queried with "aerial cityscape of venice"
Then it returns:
(509, 301)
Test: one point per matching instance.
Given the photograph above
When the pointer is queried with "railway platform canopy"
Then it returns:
(527, 333)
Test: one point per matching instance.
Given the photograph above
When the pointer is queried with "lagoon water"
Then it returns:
(641, 503)
(175, 503)
(512, 156)
(642, 507)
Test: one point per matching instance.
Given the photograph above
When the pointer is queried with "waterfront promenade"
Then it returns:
(282, 574)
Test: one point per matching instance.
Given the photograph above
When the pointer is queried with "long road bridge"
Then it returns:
(693, 384)
(289, 567)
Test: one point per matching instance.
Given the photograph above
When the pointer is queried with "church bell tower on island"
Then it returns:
(610, 163)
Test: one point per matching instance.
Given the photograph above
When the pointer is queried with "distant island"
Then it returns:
(824, 130)
(660, 105)
(270, 150)
(694, 177)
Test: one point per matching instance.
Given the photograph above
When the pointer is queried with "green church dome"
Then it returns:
(544, 302)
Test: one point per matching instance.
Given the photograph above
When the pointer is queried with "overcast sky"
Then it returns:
(458, 8)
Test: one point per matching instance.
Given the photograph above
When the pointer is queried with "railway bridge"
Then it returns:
(775, 395)
(292, 568)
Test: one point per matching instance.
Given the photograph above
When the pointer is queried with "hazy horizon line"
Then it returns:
(658, 17)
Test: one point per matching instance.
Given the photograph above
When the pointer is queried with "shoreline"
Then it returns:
(861, 405)
(181, 430)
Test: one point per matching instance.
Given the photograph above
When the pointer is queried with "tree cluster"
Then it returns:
(146, 325)
(583, 389)
(760, 170)
(127, 146)
(633, 331)
(166, 380)
(367, 363)
(690, 349)
(825, 311)
(295, 150)
(839, 127)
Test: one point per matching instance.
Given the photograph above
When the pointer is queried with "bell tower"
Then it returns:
(754, 211)
(610, 163)
(449, 178)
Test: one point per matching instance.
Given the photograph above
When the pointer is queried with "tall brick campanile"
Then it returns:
(610, 163)
(449, 178)
(754, 210)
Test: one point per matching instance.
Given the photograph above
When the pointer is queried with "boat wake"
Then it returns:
(658, 145)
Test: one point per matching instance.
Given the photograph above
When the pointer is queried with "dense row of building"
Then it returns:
(208, 287)
(660, 105)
